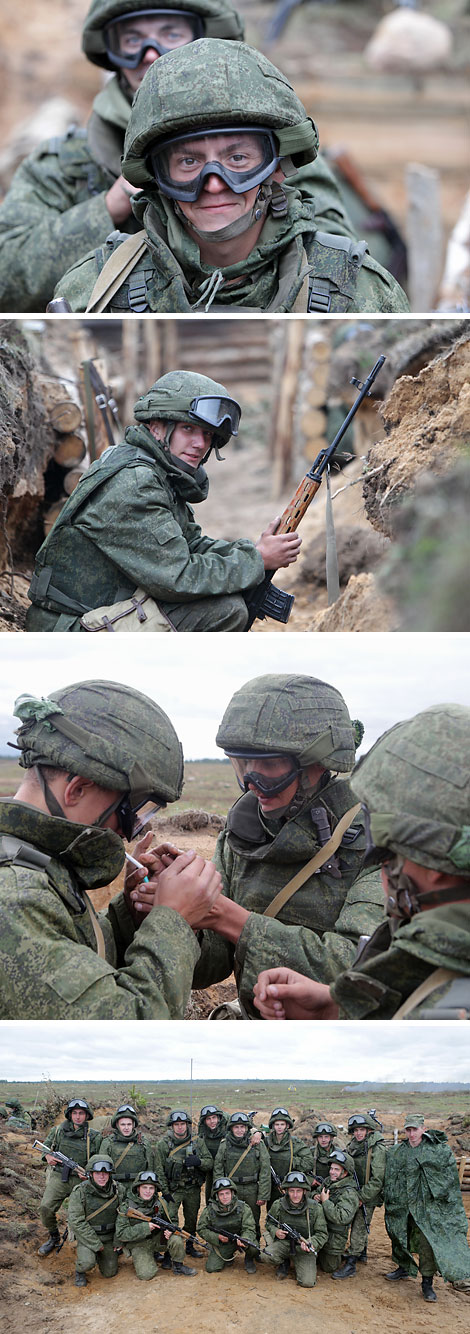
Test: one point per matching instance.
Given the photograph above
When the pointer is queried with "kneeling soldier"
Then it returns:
(340, 1201)
(92, 1216)
(143, 1238)
(75, 1139)
(225, 1210)
(295, 1212)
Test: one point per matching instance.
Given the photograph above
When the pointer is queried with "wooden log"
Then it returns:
(52, 514)
(313, 423)
(424, 236)
(72, 478)
(316, 396)
(69, 450)
(130, 362)
(65, 416)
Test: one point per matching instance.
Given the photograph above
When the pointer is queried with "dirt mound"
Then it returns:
(359, 550)
(360, 607)
(193, 820)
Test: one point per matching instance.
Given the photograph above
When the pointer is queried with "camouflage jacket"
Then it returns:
(55, 210)
(339, 1210)
(85, 1198)
(134, 527)
(49, 965)
(77, 1144)
(170, 276)
(170, 1162)
(255, 1168)
(320, 925)
(131, 1231)
(129, 1153)
(369, 1162)
(238, 1218)
(287, 1154)
(390, 969)
(307, 1218)
(424, 1182)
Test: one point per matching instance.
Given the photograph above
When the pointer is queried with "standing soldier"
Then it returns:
(142, 1236)
(129, 1150)
(75, 1138)
(92, 1216)
(295, 1208)
(181, 1163)
(226, 1210)
(367, 1148)
(212, 1129)
(324, 1135)
(286, 1151)
(248, 1166)
(340, 1201)
(424, 1214)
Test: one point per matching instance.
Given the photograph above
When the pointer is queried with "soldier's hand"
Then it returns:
(51, 1160)
(279, 1233)
(118, 199)
(139, 897)
(256, 1136)
(278, 549)
(303, 1246)
(190, 885)
(222, 1237)
(154, 1227)
(324, 1196)
(281, 993)
(240, 1245)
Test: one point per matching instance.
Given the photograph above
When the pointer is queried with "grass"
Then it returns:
(209, 785)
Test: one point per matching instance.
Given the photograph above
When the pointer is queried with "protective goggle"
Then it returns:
(296, 1179)
(280, 1114)
(127, 38)
(78, 1104)
(103, 1165)
(247, 776)
(133, 819)
(126, 1110)
(357, 1121)
(338, 1157)
(178, 1116)
(209, 1111)
(222, 414)
(324, 1128)
(144, 1177)
(240, 1118)
(223, 1183)
(243, 156)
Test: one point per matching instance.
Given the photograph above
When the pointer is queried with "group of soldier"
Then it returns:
(316, 1195)
(196, 185)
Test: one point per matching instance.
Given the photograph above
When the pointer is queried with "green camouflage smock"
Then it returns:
(308, 1218)
(55, 209)
(170, 277)
(391, 968)
(237, 1217)
(130, 1154)
(135, 1234)
(49, 965)
(319, 1160)
(287, 1154)
(339, 1211)
(253, 1172)
(136, 528)
(369, 1162)
(95, 1236)
(78, 1144)
(170, 1162)
(320, 925)
(424, 1183)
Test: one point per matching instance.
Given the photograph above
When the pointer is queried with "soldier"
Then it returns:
(416, 964)
(424, 1214)
(129, 1150)
(75, 1138)
(92, 1213)
(100, 758)
(67, 195)
(232, 215)
(181, 1162)
(324, 1135)
(286, 1151)
(129, 529)
(212, 1129)
(367, 1149)
(225, 1209)
(340, 1201)
(141, 1237)
(296, 1209)
(248, 1166)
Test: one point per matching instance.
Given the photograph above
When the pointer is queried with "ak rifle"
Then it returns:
(166, 1226)
(292, 1233)
(265, 599)
(68, 1165)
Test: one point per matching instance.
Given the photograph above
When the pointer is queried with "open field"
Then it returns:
(209, 785)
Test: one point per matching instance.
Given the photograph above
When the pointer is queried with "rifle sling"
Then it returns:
(431, 983)
(101, 1209)
(99, 937)
(240, 1160)
(118, 267)
(122, 1156)
(313, 865)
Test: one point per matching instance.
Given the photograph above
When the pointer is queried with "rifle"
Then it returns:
(292, 1234)
(234, 1236)
(265, 600)
(166, 1225)
(68, 1165)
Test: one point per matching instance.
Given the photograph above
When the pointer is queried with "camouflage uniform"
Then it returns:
(307, 1218)
(339, 1211)
(78, 1144)
(92, 1216)
(129, 1154)
(135, 1235)
(55, 210)
(237, 1217)
(424, 1212)
(306, 223)
(212, 1139)
(183, 1181)
(418, 773)
(320, 925)
(253, 1177)
(49, 962)
(319, 1158)
(286, 1154)
(369, 1157)
(130, 524)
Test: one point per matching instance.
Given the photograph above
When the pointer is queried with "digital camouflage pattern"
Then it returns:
(212, 1140)
(390, 968)
(237, 1217)
(296, 714)
(49, 967)
(219, 17)
(308, 1218)
(130, 1154)
(136, 528)
(95, 1238)
(289, 1153)
(319, 1159)
(78, 1144)
(135, 1234)
(183, 1180)
(339, 1211)
(423, 1184)
(253, 1176)
(369, 1157)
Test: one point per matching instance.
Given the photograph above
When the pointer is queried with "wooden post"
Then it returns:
(282, 470)
(424, 236)
(130, 364)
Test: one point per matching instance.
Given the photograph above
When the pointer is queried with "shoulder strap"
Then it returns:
(313, 865)
(431, 983)
(95, 922)
(102, 1207)
(122, 1156)
(347, 259)
(240, 1159)
(117, 268)
(368, 1165)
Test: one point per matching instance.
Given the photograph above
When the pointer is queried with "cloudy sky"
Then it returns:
(139, 1051)
(383, 678)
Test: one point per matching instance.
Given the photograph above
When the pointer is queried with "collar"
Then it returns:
(190, 486)
(91, 855)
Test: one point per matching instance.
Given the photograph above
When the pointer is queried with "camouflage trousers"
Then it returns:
(417, 1245)
(248, 1194)
(190, 1198)
(143, 1253)
(305, 1264)
(329, 1259)
(359, 1235)
(218, 1260)
(106, 1259)
(218, 613)
(55, 1193)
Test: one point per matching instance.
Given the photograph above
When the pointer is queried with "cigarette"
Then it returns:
(133, 861)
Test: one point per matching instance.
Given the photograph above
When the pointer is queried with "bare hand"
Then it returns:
(281, 1234)
(51, 1160)
(256, 1136)
(118, 199)
(324, 1195)
(190, 885)
(278, 549)
(303, 1246)
(139, 897)
(240, 1245)
(281, 993)
(153, 1227)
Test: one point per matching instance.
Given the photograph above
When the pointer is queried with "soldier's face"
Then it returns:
(125, 1125)
(324, 1141)
(280, 1127)
(78, 1116)
(336, 1171)
(225, 1195)
(295, 1194)
(179, 1127)
(414, 1135)
(217, 205)
(359, 1133)
(239, 1129)
(168, 31)
(146, 1190)
(272, 767)
(190, 442)
(211, 1122)
(100, 1178)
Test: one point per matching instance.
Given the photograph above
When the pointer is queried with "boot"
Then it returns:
(397, 1273)
(166, 1260)
(80, 1279)
(282, 1270)
(348, 1269)
(191, 1250)
(250, 1266)
(362, 1258)
(180, 1268)
(52, 1244)
(428, 1290)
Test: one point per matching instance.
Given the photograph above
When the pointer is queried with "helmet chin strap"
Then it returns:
(270, 195)
(404, 899)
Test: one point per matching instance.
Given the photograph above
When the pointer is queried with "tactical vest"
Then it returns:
(73, 154)
(245, 1175)
(330, 278)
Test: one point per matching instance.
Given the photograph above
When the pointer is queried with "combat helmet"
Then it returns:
(178, 1115)
(240, 1118)
(186, 396)
(361, 1119)
(110, 733)
(78, 1102)
(324, 1128)
(344, 1159)
(224, 1183)
(125, 1110)
(284, 714)
(177, 98)
(280, 1114)
(415, 784)
(295, 1178)
(212, 18)
(99, 1162)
